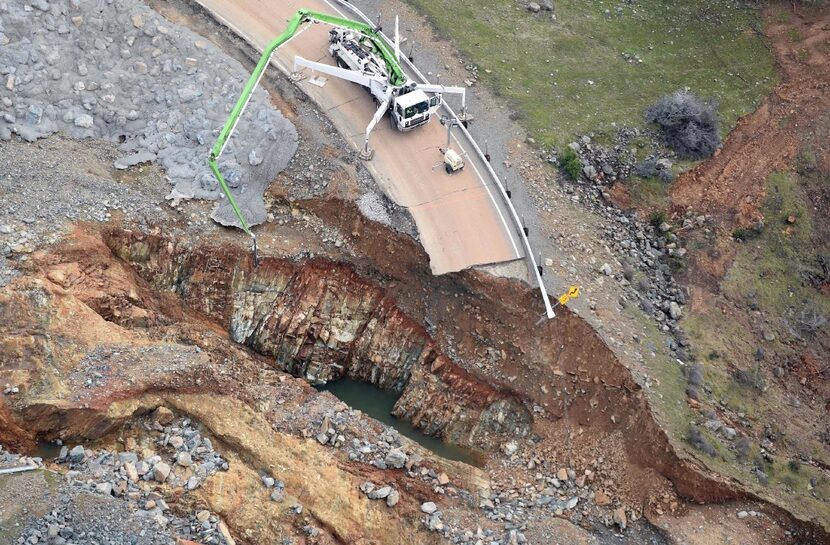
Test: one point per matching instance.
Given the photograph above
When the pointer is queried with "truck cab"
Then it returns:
(413, 109)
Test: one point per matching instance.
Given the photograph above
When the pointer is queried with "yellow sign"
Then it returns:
(573, 293)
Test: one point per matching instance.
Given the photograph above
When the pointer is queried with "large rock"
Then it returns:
(77, 454)
(395, 458)
(674, 310)
(161, 471)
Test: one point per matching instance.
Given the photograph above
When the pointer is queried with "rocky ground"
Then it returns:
(122, 73)
(188, 375)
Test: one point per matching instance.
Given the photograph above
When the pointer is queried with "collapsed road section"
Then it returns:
(463, 219)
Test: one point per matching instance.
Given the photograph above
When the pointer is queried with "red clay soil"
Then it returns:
(731, 185)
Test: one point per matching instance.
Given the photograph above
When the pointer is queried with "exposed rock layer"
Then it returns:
(322, 321)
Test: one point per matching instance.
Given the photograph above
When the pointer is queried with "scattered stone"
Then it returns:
(510, 448)
(601, 498)
(742, 514)
(163, 416)
(104, 488)
(380, 493)
(161, 471)
(429, 507)
(396, 458)
(77, 454)
(606, 269)
(278, 495)
(393, 498)
(435, 524)
(674, 310)
(533, 7)
(620, 518)
(184, 459)
(84, 121)
(130, 470)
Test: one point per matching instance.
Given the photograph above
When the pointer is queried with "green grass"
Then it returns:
(542, 68)
(769, 265)
(649, 194)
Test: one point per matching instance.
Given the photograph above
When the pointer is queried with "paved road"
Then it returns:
(459, 217)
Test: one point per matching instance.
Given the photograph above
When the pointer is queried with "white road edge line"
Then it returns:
(545, 298)
(520, 228)
(478, 174)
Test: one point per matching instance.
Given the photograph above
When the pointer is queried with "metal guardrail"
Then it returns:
(520, 230)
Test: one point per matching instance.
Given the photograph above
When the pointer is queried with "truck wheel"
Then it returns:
(340, 63)
(448, 168)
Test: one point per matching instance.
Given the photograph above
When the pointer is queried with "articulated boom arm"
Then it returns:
(342, 73)
(396, 77)
(430, 88)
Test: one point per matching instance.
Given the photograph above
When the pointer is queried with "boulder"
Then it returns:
(396, 458)
(161, 471)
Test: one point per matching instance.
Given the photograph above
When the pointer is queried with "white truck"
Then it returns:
(362, 57)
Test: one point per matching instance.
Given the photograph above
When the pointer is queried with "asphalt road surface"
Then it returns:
(460, 218)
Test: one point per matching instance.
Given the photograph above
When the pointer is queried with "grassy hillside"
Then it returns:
(600, 63)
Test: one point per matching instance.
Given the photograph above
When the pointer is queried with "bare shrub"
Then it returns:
(697, 440)
(690, 125)
(743, 447)
(751, 377)
(811, 319)
(695, 374)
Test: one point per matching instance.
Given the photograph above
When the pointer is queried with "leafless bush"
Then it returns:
(811, 319)
(751, 377)
(697, 440)
(743, 447)
(689, 124)
(695, 374)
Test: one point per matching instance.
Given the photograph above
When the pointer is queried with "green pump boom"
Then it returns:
(396, 77)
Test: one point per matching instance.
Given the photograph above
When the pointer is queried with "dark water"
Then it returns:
(47, 450)
(378, 404)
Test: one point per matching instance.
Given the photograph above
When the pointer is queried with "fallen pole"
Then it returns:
(21, 469)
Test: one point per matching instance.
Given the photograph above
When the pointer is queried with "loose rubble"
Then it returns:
(121, 72)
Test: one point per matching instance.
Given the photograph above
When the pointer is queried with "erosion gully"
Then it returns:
(473, 383)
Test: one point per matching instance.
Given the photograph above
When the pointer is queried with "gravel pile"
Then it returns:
(119, 497)
(117, 70)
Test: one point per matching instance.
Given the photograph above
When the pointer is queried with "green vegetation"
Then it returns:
(769, 268)
(571, 164)
(580, 73)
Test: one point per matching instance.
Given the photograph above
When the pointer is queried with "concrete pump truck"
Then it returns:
(362, 56)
